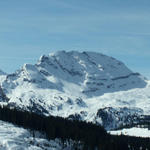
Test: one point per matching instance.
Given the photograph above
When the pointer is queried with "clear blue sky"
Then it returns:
(119, 28)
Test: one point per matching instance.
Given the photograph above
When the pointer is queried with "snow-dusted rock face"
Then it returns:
(74, 85)
(113, 118)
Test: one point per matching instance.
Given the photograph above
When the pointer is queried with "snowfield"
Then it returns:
(138, 132)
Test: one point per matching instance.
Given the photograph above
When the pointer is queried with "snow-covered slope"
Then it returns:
(16, 138)
(87, 86)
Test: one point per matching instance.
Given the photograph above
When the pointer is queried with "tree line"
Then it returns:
(92, 137)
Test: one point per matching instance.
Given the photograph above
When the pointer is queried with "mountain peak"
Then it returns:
(92, 73)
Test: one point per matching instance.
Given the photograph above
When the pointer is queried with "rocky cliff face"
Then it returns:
(73, 85)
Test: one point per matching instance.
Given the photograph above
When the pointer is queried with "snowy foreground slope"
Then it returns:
(15, 138)
(85, 86)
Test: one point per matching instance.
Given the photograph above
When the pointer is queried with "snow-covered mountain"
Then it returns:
(85, 86)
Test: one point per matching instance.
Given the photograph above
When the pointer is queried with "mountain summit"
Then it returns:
(74, 85)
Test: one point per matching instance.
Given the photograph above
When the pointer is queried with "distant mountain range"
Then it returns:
(84, 86)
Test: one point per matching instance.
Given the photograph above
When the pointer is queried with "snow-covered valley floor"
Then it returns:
(138, 132)
(16, 138)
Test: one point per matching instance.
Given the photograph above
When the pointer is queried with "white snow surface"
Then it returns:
(69, 83)
(135, 131)
(16, 138)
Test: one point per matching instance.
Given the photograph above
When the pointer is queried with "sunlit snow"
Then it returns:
(138, 132)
